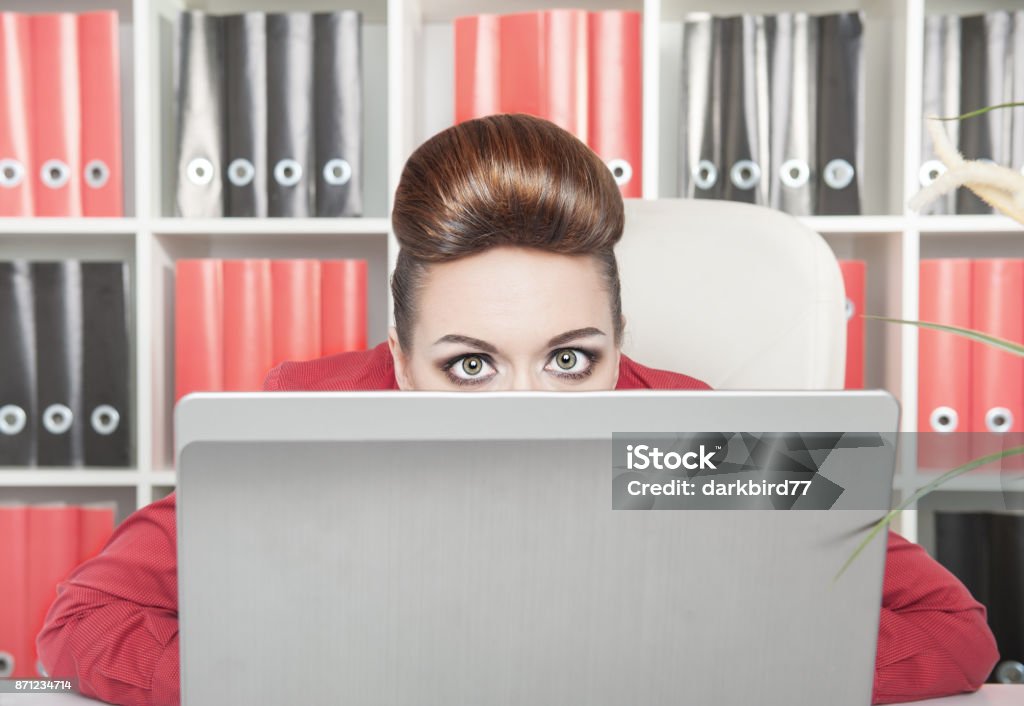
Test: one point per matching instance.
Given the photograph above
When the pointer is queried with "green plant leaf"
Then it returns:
(920, 493)
(980, 336)
(981, 111)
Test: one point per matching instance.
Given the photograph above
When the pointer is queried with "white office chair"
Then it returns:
(739, 296)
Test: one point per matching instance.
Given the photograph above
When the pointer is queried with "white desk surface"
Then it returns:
(989, 695)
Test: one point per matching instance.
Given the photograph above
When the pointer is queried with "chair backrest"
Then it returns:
(740, 296)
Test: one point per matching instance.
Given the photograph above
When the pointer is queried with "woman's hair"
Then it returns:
(502, 180)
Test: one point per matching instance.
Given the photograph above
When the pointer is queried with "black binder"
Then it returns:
(200, 114)
(290, 116)
(976, 136)
(107, 414)
(839, 114)
(245, 70)
(985, 550)
(735, 146)
(700, 171)
(1006, 594)
(338, 78)
(57, 291)
(18, 411)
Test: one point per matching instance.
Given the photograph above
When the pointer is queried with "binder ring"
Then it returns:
(944, 419)
(745, 174)
(705, 174)
(11, 173)
(999, 419)
(794, 173)
(337, 172)
(850, 309)
(1010, 672)
(12, 419)
(57, 418)
(6, 664)
(930, 171)
(200, 171)
(288, 172)
(105, 419)
(97, 173)
(839, 174)
(241, 172)
(54, 173)
(621, 170)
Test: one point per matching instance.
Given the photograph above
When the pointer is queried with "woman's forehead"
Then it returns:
(512, 295)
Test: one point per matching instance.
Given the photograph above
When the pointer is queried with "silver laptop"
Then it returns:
(455, 549)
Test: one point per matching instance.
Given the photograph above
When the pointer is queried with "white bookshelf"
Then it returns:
(408, 94)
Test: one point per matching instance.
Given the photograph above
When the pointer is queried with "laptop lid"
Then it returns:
(452, 548)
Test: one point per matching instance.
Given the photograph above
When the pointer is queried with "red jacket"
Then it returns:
(114, 624)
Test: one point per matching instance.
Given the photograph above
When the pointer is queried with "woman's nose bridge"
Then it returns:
(523, 379)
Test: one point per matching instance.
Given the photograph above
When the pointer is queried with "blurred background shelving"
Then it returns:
(408, 92)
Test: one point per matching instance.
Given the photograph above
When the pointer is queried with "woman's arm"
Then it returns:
(114, 624)
(933, 638)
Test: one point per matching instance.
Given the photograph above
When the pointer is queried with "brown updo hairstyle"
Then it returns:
(512, 180)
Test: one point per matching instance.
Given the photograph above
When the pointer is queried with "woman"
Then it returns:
(506, 280)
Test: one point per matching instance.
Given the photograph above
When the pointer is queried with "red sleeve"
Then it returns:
(114, 624)
(933, 637)
(272, 383)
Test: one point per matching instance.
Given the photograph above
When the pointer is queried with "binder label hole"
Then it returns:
(944, 419)
(337, 172)
(105, 419)
(57, 418)
(288, 172)
(794, 173)
(96, 174)
(839, 174)
(930, 171)
(11, 173)
(241, 172)
(745, 174)
(1010, 672)
(999, 419)
(6, 664)
(622, 170)
(55, 173)
(705, 174)
(12, 419)
(850, 309)
(200, 171)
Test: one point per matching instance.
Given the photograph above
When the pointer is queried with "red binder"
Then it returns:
(343, 301)
(477, 66)
(56, 119)
(16, 175)
(616, 90)
(248, 341)
(997, 377)
(53, 554)
(96, 524)
(198, 327)
(544, 67)
(854, 282)
(99, 79)
(944, 366)
(296, 318)
(16, 651)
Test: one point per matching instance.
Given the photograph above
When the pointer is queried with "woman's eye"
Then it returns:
(469, 367)
(570, 361)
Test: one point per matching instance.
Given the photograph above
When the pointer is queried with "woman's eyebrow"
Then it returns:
(467, 341)
(574, 334)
